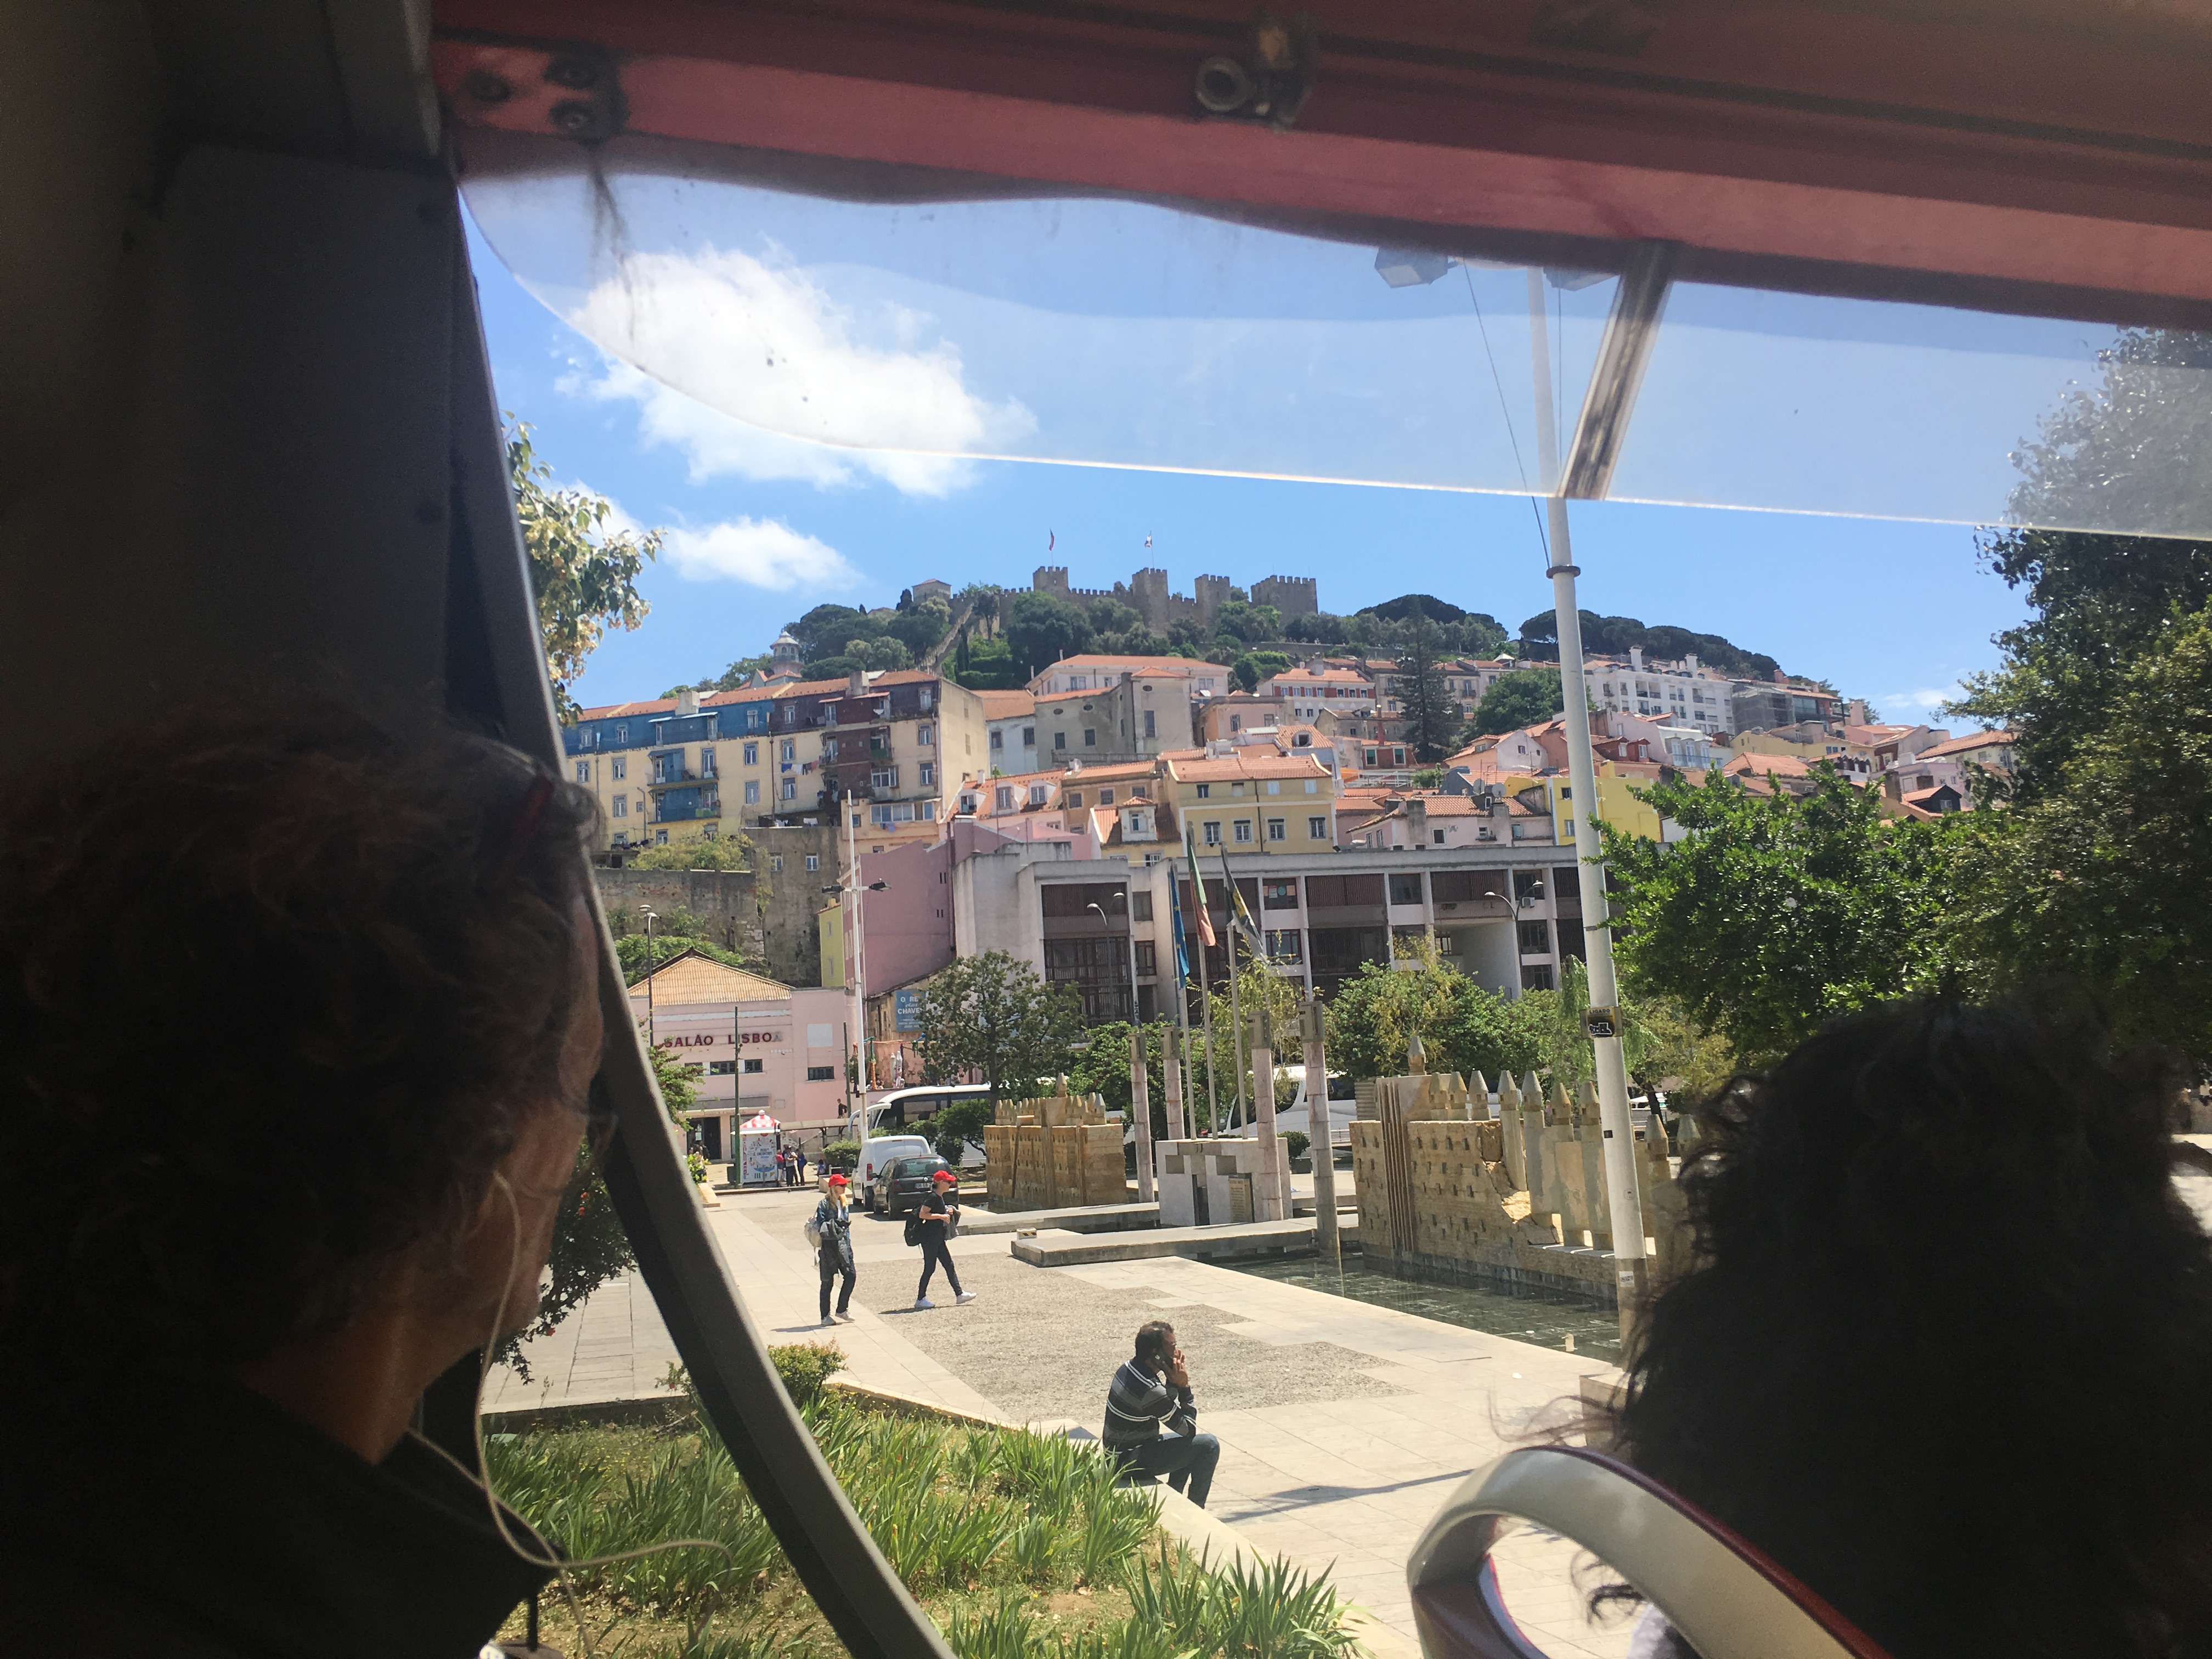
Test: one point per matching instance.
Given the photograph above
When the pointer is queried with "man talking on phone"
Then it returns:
(1148, 1392)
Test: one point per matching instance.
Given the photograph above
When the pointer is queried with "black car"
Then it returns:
(904, 1183)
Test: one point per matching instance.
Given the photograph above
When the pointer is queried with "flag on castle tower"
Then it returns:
(1148, 540)
(1051, 540)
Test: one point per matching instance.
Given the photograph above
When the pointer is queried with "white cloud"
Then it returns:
(751, 368)
(1916, 707)
(761, 553)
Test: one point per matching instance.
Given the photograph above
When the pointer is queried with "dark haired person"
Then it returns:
(1151, 1390)
(832, 1230)
(298, 1022)
(938, 1213)
(1945, 1351)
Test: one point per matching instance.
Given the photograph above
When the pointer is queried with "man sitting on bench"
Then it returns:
(1152, 1387)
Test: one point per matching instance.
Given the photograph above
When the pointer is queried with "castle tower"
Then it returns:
(1213, 592)
(1294, 595)
(1148, 591)
(1050, 579)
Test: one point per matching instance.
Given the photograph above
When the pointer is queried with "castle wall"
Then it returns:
(1148, 593)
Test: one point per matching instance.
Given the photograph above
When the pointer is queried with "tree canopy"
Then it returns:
(1464, 1028)
(1617, 635)
(1432, 713)
(992, 1014)
(1524, 697)
(583, 575)
(1777, 911)
(1042, 628)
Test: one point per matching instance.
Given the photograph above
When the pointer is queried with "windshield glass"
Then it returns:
(1114, 333)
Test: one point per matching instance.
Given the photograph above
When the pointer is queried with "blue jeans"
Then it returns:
(1186, 1460)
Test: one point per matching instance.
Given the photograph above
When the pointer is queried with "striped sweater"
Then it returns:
(1137, 1402)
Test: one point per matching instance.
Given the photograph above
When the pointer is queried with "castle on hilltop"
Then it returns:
(1147, 593)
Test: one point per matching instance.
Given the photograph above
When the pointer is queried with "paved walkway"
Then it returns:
(1344, 1426)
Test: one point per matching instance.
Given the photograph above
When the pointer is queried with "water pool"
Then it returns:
(1545, 1317)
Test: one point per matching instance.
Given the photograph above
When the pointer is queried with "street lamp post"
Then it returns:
(1619, 1153)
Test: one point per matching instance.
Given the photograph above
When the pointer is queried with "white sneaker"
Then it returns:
(844, 1319)
(922, 1302)
(827, 1323)
(965, 1297)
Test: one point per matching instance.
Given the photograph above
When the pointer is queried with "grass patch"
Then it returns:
(1020, 1546)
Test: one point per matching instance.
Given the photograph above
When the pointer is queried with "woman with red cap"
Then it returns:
(832, 1229)
(939, 1214)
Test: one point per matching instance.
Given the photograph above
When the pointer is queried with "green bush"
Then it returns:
(841, 1154)
(805, 1368)
(1297, 1141)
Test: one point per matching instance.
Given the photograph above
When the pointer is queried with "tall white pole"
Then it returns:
(1622, 1201)
(1317, 1128)
(858, 973)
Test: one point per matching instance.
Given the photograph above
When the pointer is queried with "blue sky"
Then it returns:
(764, 527)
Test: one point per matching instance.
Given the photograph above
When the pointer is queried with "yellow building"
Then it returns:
(1618, 806)
(1255, 800)
(829, 924)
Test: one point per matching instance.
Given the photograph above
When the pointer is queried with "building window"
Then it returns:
(1313, 785)
(1003, 798)
(1235, 723)
(622, 806)
(1213, 834)
(1137, 825)
(1089, 738)
(1317, 829)
(1105, 797)
(814, 860)
(752, 754)
(1243, 829)
(1284, 947)
(790, 749)
(660, 838)
(922, 735)
(706, 763)
(1437, 835)
(1060, 740)
(1406, 889)
(1072, 798)
(1140, 907)
(621, 734)
(1536, 976)
(998, 740)
(1205, 792)
(754, 1067)
(927, 773)
(752, 792)
(821, 1073)
(619, 768)
(1148, 962)
(1278, 830)
(1149, 731)
(1371, 757)
(583, 771)
(1037, 794)
(1535, 938)
(1028, 737)
(885, 778)
(1274, 786)
(1280, 895)
(775, 864)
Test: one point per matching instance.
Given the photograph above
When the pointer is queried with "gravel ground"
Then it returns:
(1044, 1345)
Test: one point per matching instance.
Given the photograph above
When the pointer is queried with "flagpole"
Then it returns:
(1186, 1095)
(1204, 990)
(1236, 1011)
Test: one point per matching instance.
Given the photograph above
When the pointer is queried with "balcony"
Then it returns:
(673, 777)
(712, 809)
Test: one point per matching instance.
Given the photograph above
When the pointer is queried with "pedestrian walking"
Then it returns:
(939, 1216)
(795, 1172)
(1150, 1390)
(831, 1233)
(782, 1168)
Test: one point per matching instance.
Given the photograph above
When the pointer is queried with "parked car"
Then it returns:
(878, 1155)
(903, 1183)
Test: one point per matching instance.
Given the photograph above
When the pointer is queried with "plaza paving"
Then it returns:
(1343, 1426)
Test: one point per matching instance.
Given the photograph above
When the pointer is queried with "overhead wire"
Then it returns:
(1505, 413)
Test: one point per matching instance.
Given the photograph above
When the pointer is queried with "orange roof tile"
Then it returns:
(1003, 705)
(1997, 739)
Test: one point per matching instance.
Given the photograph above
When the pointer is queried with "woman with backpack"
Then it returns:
(933, 1230)
(831, 1232)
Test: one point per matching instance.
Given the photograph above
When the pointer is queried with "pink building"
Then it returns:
(759, 1046)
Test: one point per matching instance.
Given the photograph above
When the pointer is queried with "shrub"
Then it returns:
(1297, 1141)
(806, 1367)
(841, 1154)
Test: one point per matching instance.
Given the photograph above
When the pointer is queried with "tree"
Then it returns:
(1463, 1028)
(1522, 698)
(1407, 606)
(631, 952)
(1432, 713)
(1778, 911)
(955, 1125)
(583, 576)
(2099, 875)
(1042, 628)
(992, 1014)
(1101, 1068)
(731, 852)
(1258, 987)
(738, 672)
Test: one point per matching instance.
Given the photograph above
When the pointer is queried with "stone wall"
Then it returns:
(765, 913)
(1147, 591)
(1448, 1191)
(1056, 1153)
